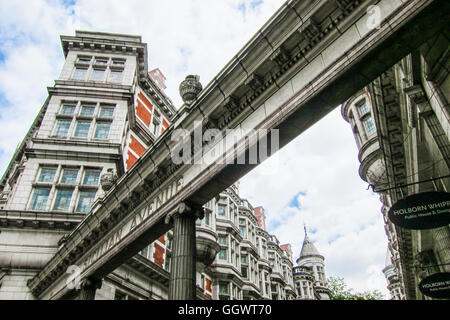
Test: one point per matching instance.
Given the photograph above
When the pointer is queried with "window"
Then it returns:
(91, 177)
(67, 110)
(69, 176)
(98, 75)
(85, 201)
(39, 199)
(102, 130)
(369, 125)
(223, 288)
(243, 231)
(244, 259)
(65, 186)
(106, 112)
(118, 62)
(207, 218)
(115, 76)
(155, 128)
(223, 240)
(84, 60)
(91, 120)
(62, 200)
(363, 108)
(47, 175)
(221, 210)
(80, 73)
(62, 128)
(82, 129)
(101, 61)
(144, 252)
(223, 254)
(202, 281)
(87, 110)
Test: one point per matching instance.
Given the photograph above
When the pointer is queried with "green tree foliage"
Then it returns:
(339, 291)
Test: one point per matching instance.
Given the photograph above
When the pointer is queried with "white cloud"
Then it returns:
(200, 37)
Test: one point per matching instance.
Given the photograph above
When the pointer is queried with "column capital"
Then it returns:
(185, 209)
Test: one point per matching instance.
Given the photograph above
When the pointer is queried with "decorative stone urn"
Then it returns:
(108, 179)
(190, 88)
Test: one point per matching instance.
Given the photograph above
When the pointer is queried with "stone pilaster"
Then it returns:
(183, 264)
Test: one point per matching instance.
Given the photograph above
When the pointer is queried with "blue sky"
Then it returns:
(317, 180)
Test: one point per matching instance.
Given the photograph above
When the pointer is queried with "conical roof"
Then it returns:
(308, 248)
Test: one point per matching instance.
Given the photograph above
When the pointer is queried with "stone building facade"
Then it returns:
(401, 126)
(96, 123)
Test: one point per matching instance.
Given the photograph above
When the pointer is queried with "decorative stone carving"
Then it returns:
(206, 251)
(280, 56)
(190, 88)
(108, 179)
(254, 81)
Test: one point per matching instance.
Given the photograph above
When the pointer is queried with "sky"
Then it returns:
(313, 180)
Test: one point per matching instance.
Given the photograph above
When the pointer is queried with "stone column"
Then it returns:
(183, 269)
(88, 289)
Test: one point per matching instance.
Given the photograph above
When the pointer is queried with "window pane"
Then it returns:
(370, 126)
(207, 218)
(223, 254)
(102, 130)
(67, 109)
(87, 111)
(118, 62)
(242, 231)
(223, 288)
(85, 201)
(144, 252)
(101, 61)
(115, 76)
(98, 75)
(106, 112)
(91, 177)
(84, 60)
(80, 74)
(47, 175)
(62, 201)
(363, 109)
(62, 128)
(39, 200)
(221, 210)
(223, 240)
(69, 176)
(82, 129)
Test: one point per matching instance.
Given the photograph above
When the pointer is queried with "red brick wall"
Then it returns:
(208, 285)
(131, 160)
(136, 146)
(162, 239)
(145, 101)
(158, 256)
(165, 125)
(143, 113)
